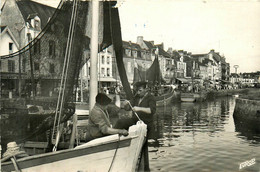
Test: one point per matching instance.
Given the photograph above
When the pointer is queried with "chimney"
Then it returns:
(169, 50)
(140, 40)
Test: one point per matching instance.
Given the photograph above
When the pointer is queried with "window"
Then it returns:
(108, 71)
(134, 53)
(24, 65)
(11, 47)
(51, 48)
(128, 52)
(11, 66)
(139, 54)
(52, 68)
(37, 47)
(36, 66)
(102, 71)
(102, 59)
(108, 60)
(37, 24)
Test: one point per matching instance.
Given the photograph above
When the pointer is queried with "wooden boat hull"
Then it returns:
(165, 99)
(187, 97)
(111, 153)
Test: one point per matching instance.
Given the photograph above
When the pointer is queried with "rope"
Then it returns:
(15, 164)
(133, 110)
(113, 160)
(63, 71)
(60, 102)
(69, 55)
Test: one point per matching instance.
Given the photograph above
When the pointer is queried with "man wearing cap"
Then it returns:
(143, 104)
(99, 123)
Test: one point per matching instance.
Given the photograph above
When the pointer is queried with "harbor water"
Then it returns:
(203, 136)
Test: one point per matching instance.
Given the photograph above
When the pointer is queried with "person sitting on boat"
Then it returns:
(99, 123)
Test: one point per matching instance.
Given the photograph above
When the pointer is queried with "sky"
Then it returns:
(230, 27)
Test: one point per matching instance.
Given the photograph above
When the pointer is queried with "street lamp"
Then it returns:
(236, 66)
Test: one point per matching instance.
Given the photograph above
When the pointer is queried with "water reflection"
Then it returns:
(202, 137)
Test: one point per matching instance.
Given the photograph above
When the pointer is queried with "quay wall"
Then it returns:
(247, 113)
(229, 92)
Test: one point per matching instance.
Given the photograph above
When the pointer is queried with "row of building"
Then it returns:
(23, 20)
(175, 66)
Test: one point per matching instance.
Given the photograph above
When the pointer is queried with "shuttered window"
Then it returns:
(11, 66)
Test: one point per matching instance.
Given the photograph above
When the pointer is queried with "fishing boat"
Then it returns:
(110, 153)
(166, 98)
(187, 97)
(163, 93)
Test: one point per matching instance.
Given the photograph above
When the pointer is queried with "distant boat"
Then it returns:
(153, 75)
(166, 98)
(188, 97)
(236, 95)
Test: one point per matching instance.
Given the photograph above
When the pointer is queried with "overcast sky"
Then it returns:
(231, 27)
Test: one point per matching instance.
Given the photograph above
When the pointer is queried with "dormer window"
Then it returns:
(35, 21)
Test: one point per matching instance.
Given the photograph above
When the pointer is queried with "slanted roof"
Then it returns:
(205, 61)
(216, 56)
(132, 46)
(149, 45)
(6, 29)
(186, 58)
(175, 55)
(163, 53)
(2, 28)
(31, 8)
(198, 55)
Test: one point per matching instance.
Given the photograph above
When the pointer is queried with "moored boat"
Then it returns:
(110, 153)
(187, 97)
(165, 98)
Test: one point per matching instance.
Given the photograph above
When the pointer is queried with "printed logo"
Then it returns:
(247, 163)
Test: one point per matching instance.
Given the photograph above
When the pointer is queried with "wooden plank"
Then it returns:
(74, 130)
(31, 144)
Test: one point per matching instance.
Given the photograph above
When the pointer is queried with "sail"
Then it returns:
(152, 75)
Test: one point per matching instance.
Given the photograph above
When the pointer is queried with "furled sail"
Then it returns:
(151, 75)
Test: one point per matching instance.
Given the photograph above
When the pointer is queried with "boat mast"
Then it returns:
(94, 54)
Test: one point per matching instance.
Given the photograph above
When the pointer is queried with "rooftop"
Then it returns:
(31, 9)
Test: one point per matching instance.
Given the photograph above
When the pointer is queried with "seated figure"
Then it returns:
(99, 124)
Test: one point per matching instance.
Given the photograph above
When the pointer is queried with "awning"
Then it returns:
(183, 80)
(107, 79)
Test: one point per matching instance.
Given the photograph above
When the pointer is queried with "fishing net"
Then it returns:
(62, 43)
